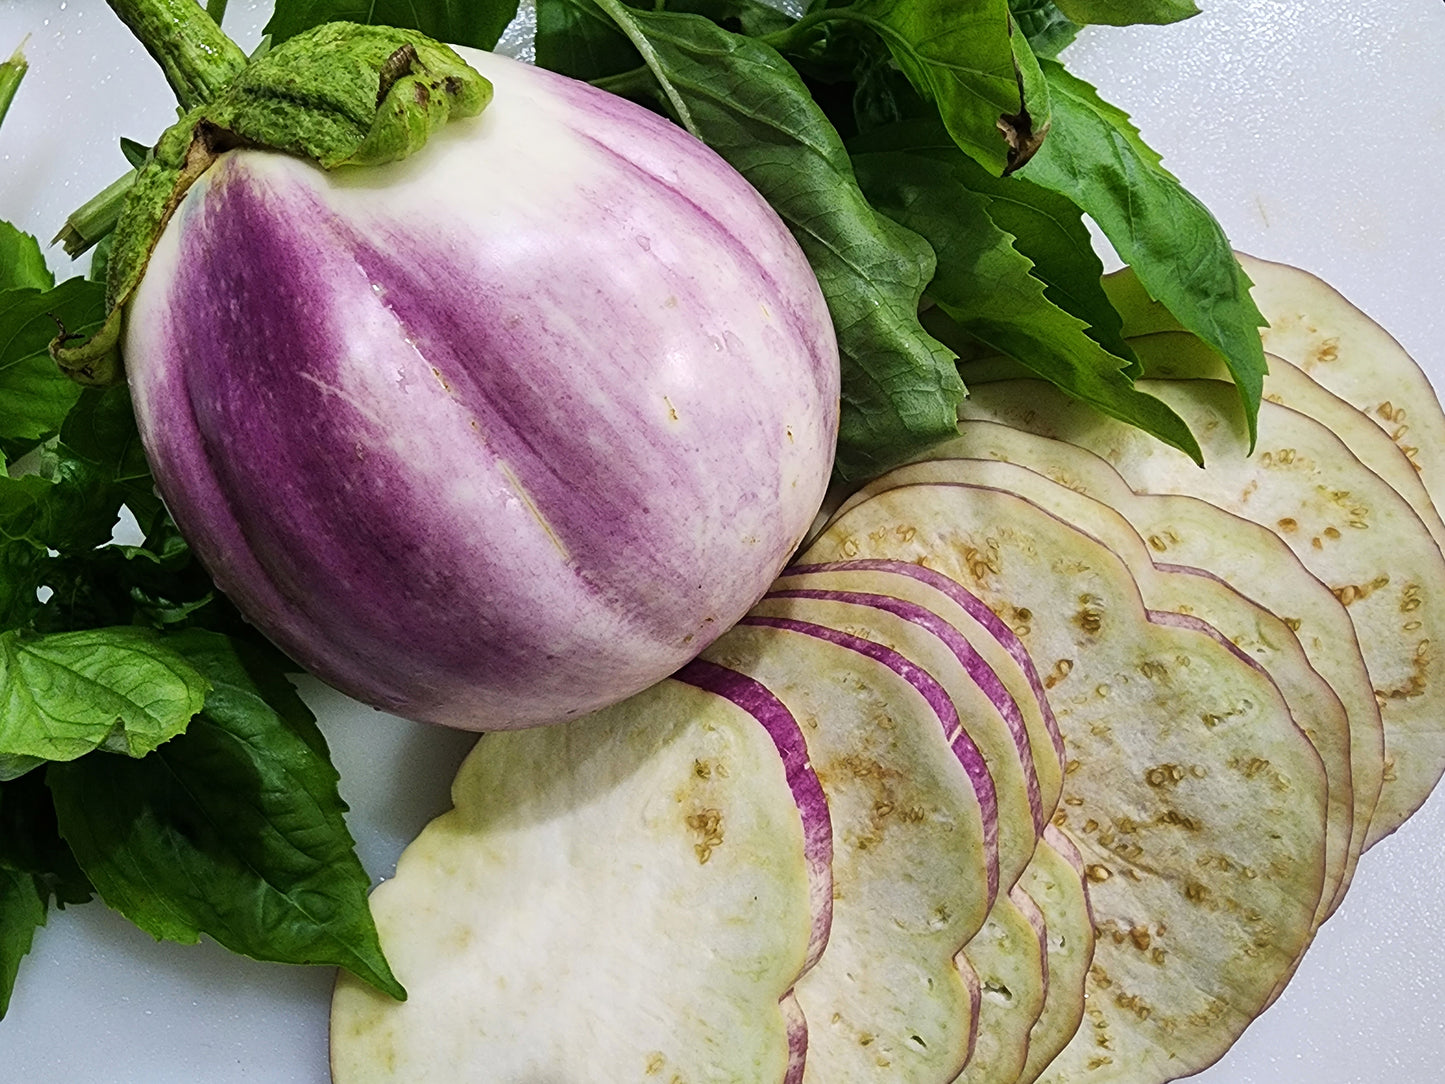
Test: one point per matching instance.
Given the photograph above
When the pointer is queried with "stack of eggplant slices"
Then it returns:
(1044, 761)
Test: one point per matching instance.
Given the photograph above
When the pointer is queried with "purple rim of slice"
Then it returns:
(974, 766)
(1031, 911)
(979, 671)
(755, 699)
(973, 606)
(797, 1025)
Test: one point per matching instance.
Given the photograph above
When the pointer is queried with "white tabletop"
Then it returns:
(1316, 133)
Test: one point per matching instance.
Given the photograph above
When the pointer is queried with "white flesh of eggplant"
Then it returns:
(994, 642)
(1203, 829)
(1344, 524)
(915, 863)
(1261, 634)
(627, 896)
(928, 642)
(1055, 882)
(1009, 956)
(1252, 559)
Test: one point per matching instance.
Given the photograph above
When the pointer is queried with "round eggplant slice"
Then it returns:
(915, 859)
(1185, 531)
(1313, 327)
(1008, 955)
(1260, 634)
(993, 641)
(1055, 882)
(1345, 525)
(1178, 356)
(1198, 805)
(624, 896)
(984, 706)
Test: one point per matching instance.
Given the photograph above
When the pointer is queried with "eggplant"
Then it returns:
(498, 434)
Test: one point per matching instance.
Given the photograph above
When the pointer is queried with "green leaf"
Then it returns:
(125, 690)
(1046, 227)
(985, 285)
(750, 17)
(30, 841)
(34, 395)
(22, 911)
(576, 38)
(1127, 12)
(478, 23)
(1048, 30)
(101, 430)
(959, 54)
(1095, 157)
(234, 830)
(137, 154)
(900, 388)
(22, 265)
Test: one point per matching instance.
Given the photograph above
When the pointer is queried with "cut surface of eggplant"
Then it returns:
(1251, 558)
(628, 895)
(1055, 882)
(1259, 633)
(915, 859)
(1009, 957)
(1197, 803)
(1345, 525)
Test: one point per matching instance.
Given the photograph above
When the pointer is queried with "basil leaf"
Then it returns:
(34, 395)
(30, 841)
(62, 695)
(101, 430)
(960, 55)
(1095, 157)
(478, 23)
(22, 910)
(234, 830)
(985, 285)
(22, 265)
(1049, 30)
(1046, 227)
(576, 38)
(750, 17)
(1127, 12)
(900, 387)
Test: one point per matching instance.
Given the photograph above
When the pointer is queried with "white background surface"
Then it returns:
(1314, 130)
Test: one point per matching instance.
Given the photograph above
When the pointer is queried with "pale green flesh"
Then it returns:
(1344, 524)
(1252, 559)
(1008, 957)
(1017, 831)
(1262, 635)
(910, 861)
(1203, 830)
(1174, 355)
(623, 897)
(1316, 329)
(1047, 765)
(1055, 882)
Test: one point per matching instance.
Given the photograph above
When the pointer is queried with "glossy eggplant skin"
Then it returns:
(499, 434)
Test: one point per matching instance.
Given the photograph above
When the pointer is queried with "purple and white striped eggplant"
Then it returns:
(498, 434)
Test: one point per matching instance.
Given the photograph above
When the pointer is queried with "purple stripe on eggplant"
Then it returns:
(975, 608)
(470, 435)
(978, 670)
(774, 717)
(939, 703)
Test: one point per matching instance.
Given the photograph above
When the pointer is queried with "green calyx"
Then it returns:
(342, 94)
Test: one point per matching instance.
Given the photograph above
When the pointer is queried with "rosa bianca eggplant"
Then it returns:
(501, 433)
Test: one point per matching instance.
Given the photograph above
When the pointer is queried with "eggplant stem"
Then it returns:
(198, 59)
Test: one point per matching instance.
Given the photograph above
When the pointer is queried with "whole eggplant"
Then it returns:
(498, 434)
